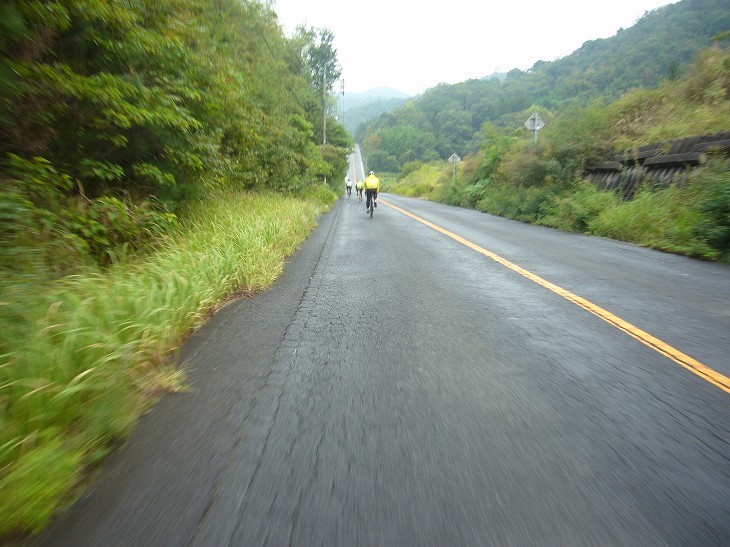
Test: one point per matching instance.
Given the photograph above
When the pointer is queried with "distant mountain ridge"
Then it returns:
(361, 107)
(372, 95)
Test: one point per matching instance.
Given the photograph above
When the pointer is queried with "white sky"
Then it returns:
(411, 45)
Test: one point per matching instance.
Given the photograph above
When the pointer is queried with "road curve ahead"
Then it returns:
(397, 387)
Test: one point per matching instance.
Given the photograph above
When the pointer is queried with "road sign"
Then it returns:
(453, 160)
(534, 122)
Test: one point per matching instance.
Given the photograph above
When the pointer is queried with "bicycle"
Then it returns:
(371, 207)
(349, 191)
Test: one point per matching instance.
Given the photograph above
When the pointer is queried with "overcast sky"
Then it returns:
(411, 45)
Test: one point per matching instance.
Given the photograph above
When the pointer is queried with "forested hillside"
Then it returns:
(447, 118)
(357, 115)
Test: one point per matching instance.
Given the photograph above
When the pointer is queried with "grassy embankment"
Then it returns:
(691, 220)
(83, 356)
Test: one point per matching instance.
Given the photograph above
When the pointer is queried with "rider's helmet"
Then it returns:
(372, 172)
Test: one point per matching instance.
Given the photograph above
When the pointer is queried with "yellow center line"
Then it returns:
(694, 366)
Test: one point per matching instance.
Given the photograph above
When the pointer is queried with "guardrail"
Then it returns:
(656, 164)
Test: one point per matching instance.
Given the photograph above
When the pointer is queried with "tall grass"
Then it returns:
(520, 203)
(425, 182)
(692, 219)
(82, 357)
(573, 208)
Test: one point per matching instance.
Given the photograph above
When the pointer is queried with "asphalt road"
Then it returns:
(356, 169)
(395, 387)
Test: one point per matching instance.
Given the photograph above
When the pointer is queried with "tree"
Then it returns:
(319, 67)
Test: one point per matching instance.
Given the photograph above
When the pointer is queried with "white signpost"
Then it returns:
(454, 159)
(534, 123)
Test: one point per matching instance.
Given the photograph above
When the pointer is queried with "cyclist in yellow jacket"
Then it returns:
(372, 187)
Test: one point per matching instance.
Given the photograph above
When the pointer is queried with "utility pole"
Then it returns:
(324, 105)
(342, 91)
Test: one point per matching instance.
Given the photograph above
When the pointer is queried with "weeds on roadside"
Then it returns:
(691, 219)
(425, 182)
(83, 356)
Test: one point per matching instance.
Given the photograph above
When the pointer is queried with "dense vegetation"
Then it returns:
(449, 118)
(114, 112)
(544, 183)
(156, 156)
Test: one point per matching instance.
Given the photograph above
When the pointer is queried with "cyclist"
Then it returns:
(359, 187)
(349, 187)
(372, 187)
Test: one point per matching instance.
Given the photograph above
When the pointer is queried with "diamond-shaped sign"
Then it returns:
(534, 122)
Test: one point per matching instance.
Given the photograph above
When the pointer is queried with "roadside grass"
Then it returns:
(426, 182)
(574, 208)
(692, 219)
(81, 358)
(667, 220)
(524, 204)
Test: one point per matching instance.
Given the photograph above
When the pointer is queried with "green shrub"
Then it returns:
(410, 167)
(501, 200)
(713, 205)
(45, 228)
(31, 501)
(581, 134)
(519, 203)
(526, 165)
(575, 208)
(456, 194)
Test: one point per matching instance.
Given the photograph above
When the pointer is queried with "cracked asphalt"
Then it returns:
(396, 388)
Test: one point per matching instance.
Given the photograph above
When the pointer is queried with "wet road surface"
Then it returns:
(396, 388)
